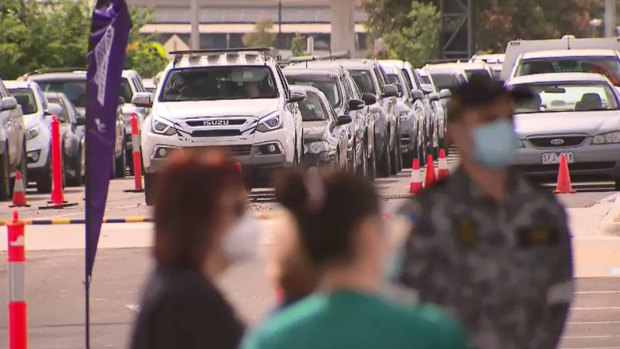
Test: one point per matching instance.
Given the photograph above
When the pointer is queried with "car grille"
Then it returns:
(601, 165)
(200, 123)
(216, 133)
(234, 150)
(547, 142)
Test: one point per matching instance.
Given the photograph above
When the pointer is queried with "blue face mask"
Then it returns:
(495, 144)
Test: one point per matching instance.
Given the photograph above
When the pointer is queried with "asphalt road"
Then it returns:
(55, 270)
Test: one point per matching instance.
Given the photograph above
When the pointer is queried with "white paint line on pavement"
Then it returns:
(595, 308)
(588, 337)
(597, 292)
(594, 323)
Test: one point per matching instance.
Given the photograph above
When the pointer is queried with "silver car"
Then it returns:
(573, 114)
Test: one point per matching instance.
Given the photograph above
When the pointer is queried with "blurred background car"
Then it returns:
(13, 140)
(325, 143)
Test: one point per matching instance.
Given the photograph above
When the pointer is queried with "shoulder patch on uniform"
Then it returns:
(466, 231)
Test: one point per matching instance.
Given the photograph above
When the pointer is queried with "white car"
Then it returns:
(235, 99)
(37, 118)
(494, 60)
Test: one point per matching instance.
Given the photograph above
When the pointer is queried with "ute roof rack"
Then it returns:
(306, 59)
(266, 52)
(52, 70)
(446, 60)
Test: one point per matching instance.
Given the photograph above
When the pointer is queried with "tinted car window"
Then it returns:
(363, 79)
(221, 82)
(311, 108)
(25, 98)
(607, 66)
(75, 90)
(446, 80)
(472, 72)
(325, 83)
(126, 90)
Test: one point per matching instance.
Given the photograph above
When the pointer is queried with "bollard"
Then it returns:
(17, 288)
(57, 200)
(137, 161)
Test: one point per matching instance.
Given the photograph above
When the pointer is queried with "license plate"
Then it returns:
(554, 158)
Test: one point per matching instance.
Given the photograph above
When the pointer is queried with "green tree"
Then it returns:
(261, 36)
(298, 46)
(418, 42)
(146, 58)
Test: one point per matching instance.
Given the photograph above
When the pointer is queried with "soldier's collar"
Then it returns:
(462, 184)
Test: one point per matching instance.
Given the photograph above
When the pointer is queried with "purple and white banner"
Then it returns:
(107, 45)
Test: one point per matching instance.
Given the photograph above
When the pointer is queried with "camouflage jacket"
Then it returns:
(503, 268)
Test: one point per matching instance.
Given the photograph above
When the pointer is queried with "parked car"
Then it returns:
(149, 85)
(342, 93)
(325, 143)
(237, 99)
(13, 140)
(131, 83)
(576, 115)
(73, 84)
(438, 99)
(72, 138)
(370, 78)
(493, 60)
(37, 118)
(412, 113)
(447, 75)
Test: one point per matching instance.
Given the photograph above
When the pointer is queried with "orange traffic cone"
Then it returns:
(416, 178)
(430, 172)
(442, 172)
(564, 185)
(19, 192)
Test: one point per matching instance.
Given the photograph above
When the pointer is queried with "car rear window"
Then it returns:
(446, 80)
(326, 84)
(74, 89)
(311, 108)
(568, 97)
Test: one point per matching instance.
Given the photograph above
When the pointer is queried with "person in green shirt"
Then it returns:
(341, 229)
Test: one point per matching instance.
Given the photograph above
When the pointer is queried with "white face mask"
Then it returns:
(241, 242)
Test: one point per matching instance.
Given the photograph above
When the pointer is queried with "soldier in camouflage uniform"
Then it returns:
(485, 244)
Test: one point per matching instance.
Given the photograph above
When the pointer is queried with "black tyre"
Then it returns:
(149, 189)
(44, 182)
(617, 184)
(5, 177)
(120, 165)
(23, 168)
(129, 161)
(372, 163)
(76, 179)
(408, 159)
(385, 165)
(362, 170)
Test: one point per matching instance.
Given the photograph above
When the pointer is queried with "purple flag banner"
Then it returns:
(107, 45)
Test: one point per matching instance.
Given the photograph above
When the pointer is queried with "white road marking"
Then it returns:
(596, 308)
(133, 307)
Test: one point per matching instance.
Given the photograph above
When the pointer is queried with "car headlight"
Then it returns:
(163, 127)
(405, 115)
(316, 147)
(269, 123)
(607, 138)
(32, 132)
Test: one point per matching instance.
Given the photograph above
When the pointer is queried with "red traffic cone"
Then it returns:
(416, 178)
(564, 185)
(430, 172)
(19, 192)
(442, 172)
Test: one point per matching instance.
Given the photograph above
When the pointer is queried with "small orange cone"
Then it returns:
(19, 192)
(430, 172)
(564, 185)
(416, 178)
(442, 172)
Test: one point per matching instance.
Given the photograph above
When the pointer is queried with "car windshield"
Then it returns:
(567, 97)
(446, 80)
(472, 72)
(364, 81)
(25, 98)
(74, 89)
(311, 108)
(607, 66)
(326, 84)
(219, 82)
(393, 79)
(62, 117)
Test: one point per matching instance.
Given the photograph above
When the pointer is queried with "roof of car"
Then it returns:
(569, 53)
(357, 63)
(491, 58)
(316, 70)
(395, 63)
(53, 94)
(16, 84)
(444, 68)
(61, 75)
(557, 77)
(308, 89)
(204, 59)
(130, 72)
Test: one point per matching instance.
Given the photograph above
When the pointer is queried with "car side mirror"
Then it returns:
(356, 104)
(390, 91)
(427, 90)
(417, 94)
(369, 98)
(53, 109)
(80, 120)
(142, 99)
(297, 95)
(445, 93)
(433, 96)
(8, 103)
(343, 120)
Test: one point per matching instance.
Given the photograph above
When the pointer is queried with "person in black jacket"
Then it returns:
(200, 228)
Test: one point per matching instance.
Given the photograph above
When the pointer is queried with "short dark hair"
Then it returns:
(327, 224)
(481, 90)
(188, 194)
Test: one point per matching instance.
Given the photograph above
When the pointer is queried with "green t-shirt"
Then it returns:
(349, 320)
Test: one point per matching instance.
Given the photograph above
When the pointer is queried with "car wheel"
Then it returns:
(76, 179)
(23, 166)
(5, 177)
(385, 165)
(372, 163)
(617, 184)
(149, 189)
(120, 165)
(129, 162)
(44, 182)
